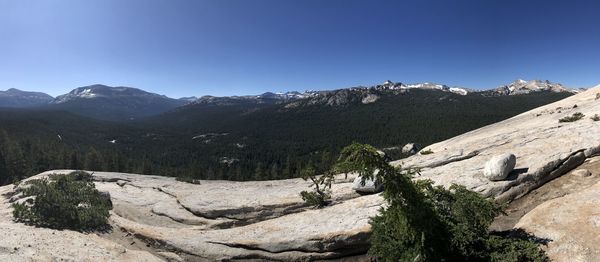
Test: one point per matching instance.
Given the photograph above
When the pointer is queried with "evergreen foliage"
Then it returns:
(426, 152)
(64, 202)
(321, 193)
(423, 222)
(572, 118)
(188, 180)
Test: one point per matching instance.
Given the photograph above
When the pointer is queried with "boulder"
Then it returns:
(498, 167)
(121, 183)
(411, 148)
(105, 195)
(370, 186)
(384, 155)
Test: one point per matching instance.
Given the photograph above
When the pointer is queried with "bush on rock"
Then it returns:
(64, 202)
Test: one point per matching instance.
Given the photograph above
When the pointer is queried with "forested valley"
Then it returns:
(243, 141)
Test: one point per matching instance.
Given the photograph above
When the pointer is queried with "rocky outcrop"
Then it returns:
(545, 148)
(370, 98)
(252, 220)
(571, 224)
(27, 243)
(499, 167)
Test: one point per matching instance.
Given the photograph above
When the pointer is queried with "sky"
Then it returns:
(236, 47)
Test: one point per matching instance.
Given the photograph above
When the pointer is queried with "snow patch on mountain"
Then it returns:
(96, 91)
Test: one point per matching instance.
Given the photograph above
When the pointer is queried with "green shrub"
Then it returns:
(426, 152)
(572, 118)
(64, 202)
(503, 249)
(423, 222)
(320, 195)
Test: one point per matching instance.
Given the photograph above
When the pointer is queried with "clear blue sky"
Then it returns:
(226, 47)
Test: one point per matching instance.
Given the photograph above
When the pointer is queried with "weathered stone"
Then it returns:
(20, 242)
(498, 167)
(411, 148)
(370, 186)
(571, 224)
(370, 98)
(581, 173)
(105, 196)
(171, 257)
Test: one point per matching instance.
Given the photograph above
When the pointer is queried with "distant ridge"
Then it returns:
(114, 103)
(16, 98)
(126, 103)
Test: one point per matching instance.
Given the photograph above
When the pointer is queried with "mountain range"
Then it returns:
(272, 135)
(127, 103)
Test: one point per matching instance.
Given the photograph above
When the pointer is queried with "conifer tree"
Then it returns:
(93, 160)
(4, 176)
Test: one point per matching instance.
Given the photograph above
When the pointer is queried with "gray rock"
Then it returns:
(411, 148)
(498, 167)
(370, 185)
(571, 222)
(105, 195)
(370, 98)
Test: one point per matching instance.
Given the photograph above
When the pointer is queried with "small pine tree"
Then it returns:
(287, 168)
(74, 162)
(259, 173)
(321, 193)
(4, 176)
(93, 160)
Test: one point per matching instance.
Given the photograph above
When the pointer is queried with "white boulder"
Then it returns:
(498, 167)
(411, 148)
(370, 186)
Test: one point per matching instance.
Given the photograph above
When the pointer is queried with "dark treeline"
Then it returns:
(242, 142)
(23, 158)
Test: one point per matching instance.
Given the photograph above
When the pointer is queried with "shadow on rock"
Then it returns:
(516, 172)
(519, 233)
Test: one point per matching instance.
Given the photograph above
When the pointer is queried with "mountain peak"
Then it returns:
(17, 98)
(114, 103)
(521, 86)
(99, 90)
